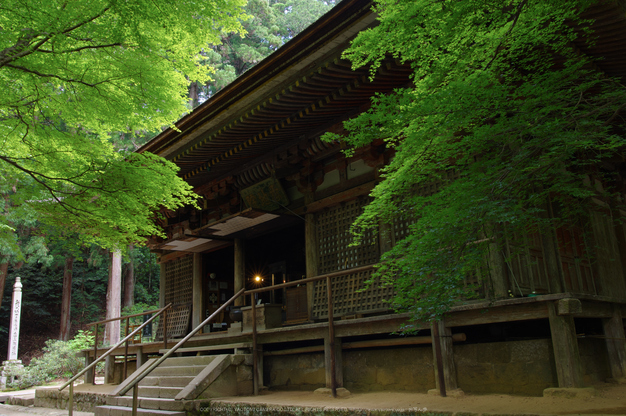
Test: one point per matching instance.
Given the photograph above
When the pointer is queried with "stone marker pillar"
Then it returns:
(14, 336)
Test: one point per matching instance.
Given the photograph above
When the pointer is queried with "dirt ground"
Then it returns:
(609, 399)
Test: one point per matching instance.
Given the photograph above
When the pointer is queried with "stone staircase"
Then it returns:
(180, 383)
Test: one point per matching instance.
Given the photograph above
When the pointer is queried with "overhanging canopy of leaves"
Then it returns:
(503, 116)
(71, 73)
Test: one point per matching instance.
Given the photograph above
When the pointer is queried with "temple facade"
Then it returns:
(276, 206)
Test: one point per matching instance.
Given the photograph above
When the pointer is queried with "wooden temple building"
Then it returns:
(276, 203)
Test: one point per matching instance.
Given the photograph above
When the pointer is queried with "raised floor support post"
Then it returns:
(565, 345)
(447, 358)
(196, 291)
(615, 345)
(338, 362)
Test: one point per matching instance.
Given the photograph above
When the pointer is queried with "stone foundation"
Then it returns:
(513, 367)
(83, 401)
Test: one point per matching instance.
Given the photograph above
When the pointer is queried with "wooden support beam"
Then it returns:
(162, 286)
(498, 272)
(109, 369)
(518, 312)
(565, 345)
(447, 356)
(310, 240)
(142, 357)
(615, 344)
(89, 375)
(338, 362)
(240, 269)
(196, 290)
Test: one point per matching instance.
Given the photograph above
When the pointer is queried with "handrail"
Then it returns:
(119, 318)
(172, 350)
(328, 276)
(312, 279)
(70, 382)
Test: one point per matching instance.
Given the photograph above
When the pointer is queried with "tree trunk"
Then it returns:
(129, 285)
(66, 301)
(114, 298)
(193, 95)
(4, 268)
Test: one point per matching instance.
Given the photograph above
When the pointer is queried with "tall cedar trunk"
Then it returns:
(129, 285)
(114, 298)
(66, 301)
(4, 268)
(193, 94)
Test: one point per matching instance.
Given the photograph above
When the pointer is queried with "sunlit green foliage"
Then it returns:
(272, 23)
(72, 72)
(503, 115)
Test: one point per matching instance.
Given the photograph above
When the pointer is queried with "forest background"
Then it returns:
(43, 254)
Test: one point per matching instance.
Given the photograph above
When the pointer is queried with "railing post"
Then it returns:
(331, 338)
(135, 397)
(95, 354)
(70, 403)
(255, 358)
(437, 343)
(126, 349)
(165, 329)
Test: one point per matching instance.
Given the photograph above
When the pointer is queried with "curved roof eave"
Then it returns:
(334, 28)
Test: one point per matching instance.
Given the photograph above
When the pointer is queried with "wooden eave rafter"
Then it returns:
(305, 87)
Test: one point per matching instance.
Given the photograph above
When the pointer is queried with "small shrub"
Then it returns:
(59, 360)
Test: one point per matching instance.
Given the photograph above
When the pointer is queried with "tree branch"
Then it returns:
(81, 48)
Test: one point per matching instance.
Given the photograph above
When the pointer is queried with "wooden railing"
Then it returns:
(97, 359)
(127, 318)
(255, 352)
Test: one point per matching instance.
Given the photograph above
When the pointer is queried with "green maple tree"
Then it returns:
(72, 72)
(504, 119)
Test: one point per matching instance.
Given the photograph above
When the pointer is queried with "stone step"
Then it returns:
(155, 391)
(146, 402)
(187, 361)
(167, 381)
(178, 370)
(218, 347)
(25, 400)
(127, 411)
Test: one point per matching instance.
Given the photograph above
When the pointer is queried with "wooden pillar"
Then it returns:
(240, 269)
(162, 286)
(620, 235)
(552, 258)
(310, 239)
(109, 369)
(196, 289)
(615, 344)
(565, 345)
(553, 264)
(385, 237)
(447, 356)
(142, 357)
(497, 272)
(338, 362)
(89, 375)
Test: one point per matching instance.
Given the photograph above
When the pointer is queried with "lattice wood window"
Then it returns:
(577, 271)
(401, 224)
(178, 280)
(177, 322)
(526, 266)
(178, 290)
(347, 297)
(334, 238)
